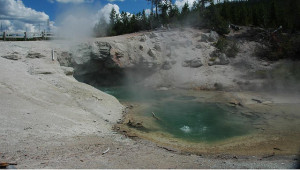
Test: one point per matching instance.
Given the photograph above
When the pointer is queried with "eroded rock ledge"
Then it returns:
(176, 58)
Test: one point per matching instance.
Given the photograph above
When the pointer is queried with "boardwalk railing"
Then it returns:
(24, 36)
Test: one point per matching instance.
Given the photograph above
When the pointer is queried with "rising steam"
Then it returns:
(78, 22)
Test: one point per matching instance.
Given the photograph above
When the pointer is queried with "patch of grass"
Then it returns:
(222, 44)
(229, 47)
(232, 50)
(212, 59)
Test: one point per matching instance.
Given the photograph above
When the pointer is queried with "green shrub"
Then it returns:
(222, 44)
(212, 59)
(232, 50)
(229, 47)
(285, 46)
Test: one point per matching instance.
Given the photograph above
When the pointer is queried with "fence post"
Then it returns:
(52, 54)
(25, 36)
(4, 36)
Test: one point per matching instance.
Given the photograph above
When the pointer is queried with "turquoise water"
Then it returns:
(196, 121)
(136, 94)
(186, 117)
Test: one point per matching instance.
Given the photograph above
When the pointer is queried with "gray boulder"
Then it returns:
(211, 63)
(35, 55)
(12, 57)
(213, 36)
(186, 63)
(153, 35)
(204, 38)
(194, 63)
(65, 59)
(166, 65)
(210, 37)
(157, 47)
(81, 54)
(143, 38)
(201, 45)
(152, 53)
(223, 59)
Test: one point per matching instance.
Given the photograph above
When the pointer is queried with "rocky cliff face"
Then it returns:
(174, 58)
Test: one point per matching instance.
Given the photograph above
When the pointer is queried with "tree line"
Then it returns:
(205, 14)
(262, 13)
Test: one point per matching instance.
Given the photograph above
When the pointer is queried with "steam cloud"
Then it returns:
(78, 22)
(75, 23)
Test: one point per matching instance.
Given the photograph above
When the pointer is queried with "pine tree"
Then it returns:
(272, 17)
(174, 14)
(224, 11)
(216, 21)
(156, 3)
(164, 7)
(185, 10)
(133, 24)
(112, 16)
(145, 24)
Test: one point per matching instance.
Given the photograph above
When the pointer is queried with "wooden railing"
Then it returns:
(24, 36)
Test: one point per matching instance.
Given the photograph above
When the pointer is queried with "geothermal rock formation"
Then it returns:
(174, 58)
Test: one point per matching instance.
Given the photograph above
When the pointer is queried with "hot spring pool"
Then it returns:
(195, 121)
(184, 116)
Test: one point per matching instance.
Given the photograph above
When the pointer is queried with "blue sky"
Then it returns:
(53, 9)
(32, 15)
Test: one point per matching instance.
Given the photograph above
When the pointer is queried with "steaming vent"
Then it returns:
(185, 129)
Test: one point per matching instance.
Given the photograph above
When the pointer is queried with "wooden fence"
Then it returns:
(24, 36)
